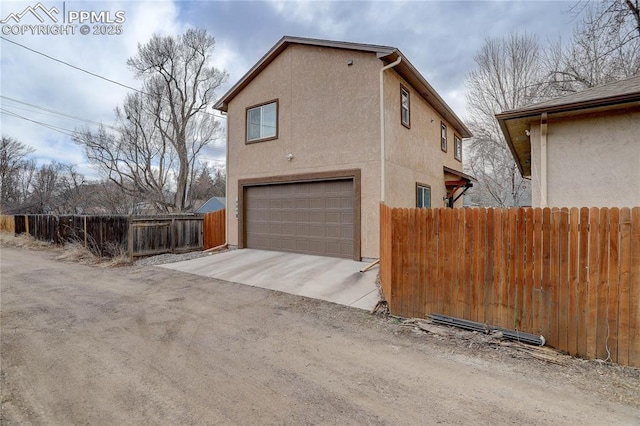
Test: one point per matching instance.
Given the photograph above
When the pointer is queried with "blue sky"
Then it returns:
(439, 37)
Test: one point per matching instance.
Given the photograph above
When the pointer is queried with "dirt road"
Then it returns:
(145, 345)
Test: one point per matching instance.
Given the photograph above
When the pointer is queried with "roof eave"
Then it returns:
(611, 101)
(514, 152)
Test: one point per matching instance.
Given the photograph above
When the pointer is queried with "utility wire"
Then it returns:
(52, 112)
(70, 65)
(89, 72)
(48, 126)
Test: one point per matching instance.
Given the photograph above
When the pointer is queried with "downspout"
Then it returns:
(382, 141)
(543, 160)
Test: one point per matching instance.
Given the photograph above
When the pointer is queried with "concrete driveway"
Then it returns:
(326, 278)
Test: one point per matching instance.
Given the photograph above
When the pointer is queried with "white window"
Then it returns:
(457, 149)
(423, 196)
(443, 137)
(262, 122)
(405, 117)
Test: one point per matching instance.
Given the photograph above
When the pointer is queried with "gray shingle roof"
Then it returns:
(627, 90)
(212, 205)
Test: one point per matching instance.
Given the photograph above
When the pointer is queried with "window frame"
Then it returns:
(457, 147)
(246, 122)
(404, 90)
(443, 136)
(419, 187)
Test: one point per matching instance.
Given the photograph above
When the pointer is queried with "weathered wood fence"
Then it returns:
(104, 235)
(112, 235)
(7, 224)
(571, 275)
(154, 235)
(215, 229)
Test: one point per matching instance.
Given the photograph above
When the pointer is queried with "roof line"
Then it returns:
(281, 45)
(384, 53)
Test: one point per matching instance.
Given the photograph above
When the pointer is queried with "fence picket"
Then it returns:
(612, 291)
(592, 313)
(602, 324)
(634, 289)
(573, 288)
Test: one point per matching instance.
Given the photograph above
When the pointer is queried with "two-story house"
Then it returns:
(320, 132)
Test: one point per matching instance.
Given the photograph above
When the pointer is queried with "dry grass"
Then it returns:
(73, 252)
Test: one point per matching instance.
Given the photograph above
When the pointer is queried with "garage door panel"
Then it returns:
(309, 217)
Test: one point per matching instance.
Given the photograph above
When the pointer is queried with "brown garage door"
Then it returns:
(305, 217)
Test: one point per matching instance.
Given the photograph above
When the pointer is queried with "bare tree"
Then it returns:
(506, 76)
(12, 160)
(605, 47)
(162, 129)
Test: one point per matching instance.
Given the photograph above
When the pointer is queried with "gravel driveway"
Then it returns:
(145, 345)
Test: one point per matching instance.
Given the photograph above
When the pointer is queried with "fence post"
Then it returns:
(26, 224)
(172, 233)
(130, 239)
(85, 231)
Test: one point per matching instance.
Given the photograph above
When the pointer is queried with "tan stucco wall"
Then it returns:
(327, 119)
(414, 154)
(592, 160)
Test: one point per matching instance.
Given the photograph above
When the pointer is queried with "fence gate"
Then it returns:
(158, 235)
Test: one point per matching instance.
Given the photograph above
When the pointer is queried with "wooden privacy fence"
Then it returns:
(571, 275)
(152, 235)
(214, 229)
(7, 224)
(103, 235)
(111, 235)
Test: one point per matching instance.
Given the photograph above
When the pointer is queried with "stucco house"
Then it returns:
(580, 150)
(320, 132)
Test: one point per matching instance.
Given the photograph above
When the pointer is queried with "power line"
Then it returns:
(89, 72)
(70, 65)
(47, 125)
(53, 112)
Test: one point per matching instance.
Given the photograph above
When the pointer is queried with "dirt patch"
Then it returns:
(70, 252)
(139, 345)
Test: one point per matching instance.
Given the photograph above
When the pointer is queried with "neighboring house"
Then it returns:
(580, 150)
(213, 204)
(305, 169)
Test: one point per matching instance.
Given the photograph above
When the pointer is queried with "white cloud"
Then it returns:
(32, 78)
(319, 15)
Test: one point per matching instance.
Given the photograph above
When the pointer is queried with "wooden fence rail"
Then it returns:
(571, 275)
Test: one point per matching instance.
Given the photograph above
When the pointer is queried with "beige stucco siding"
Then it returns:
(328, 112)
(414, 154)
(592, 161)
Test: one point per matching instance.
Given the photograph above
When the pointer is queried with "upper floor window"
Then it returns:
(457, 148)
(423, 196)
(443, 137)
(262, 122)
(405, 116)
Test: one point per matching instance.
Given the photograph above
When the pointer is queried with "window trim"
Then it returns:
(418, 187)
(457, 142)
(406, 124)
(443, 138)
(246, 122)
